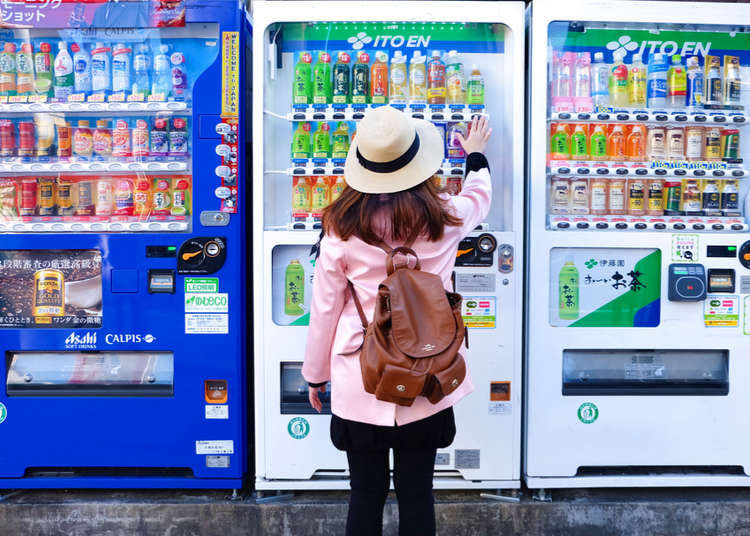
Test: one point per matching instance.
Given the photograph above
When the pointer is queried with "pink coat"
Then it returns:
(335, 328)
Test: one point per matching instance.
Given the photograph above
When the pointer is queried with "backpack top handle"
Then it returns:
(389, 264)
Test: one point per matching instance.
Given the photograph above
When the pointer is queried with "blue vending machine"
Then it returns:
(122, 257)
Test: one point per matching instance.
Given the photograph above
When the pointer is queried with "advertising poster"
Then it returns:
(605, 287)
(292, 276)
(50, 289)
(721, 310)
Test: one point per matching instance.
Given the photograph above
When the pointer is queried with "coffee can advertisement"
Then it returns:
(50, 289)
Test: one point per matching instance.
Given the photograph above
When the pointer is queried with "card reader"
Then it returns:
(687, 282)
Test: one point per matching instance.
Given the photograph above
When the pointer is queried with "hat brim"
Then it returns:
(425, 163)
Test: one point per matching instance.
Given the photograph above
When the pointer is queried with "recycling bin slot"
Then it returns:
(294, 392)
(645, 372)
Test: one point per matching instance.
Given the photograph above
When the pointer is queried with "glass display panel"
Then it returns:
(646, 127)
(325, 76)
(645, 372)
(96, 127)
(50, 289)
(89, 373)
(605, 287)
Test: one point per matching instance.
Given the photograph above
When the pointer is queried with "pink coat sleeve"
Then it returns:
(473, 203)
(329, 296)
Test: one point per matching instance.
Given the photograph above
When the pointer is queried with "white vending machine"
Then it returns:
(639, 255)
(318, 67)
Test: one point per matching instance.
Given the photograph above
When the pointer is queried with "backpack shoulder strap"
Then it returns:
(358, 305)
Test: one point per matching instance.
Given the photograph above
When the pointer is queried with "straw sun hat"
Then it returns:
(392, 152)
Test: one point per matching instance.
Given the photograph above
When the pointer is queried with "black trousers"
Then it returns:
(412, 479)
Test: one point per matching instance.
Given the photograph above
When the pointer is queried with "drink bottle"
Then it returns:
(618, 83)
(598, 142)
(399, 87)
(81, 69)
(713, 93)
(120, 68)
(43, 68)
(732, 81)
(454, 80)
(25, 70)
(341, 79)
(322, 79)
(676, 83)
(8, 69)
(600, 81)
(179, 75)
(361, 78)
(616, 144)
(340, 141)
(417, 79)
(637, 83)
(436, 91)
(294, 289)
(302, 88)
(322, 141)
(636, 144)
(162, 81)
(560, 143)
(475, 87)
(101, 69)
(656, 91)
(694, 89)
(568, 290)
(301, 142)
(379, 79)
(579, 147)
(141, 68)
(63, 85)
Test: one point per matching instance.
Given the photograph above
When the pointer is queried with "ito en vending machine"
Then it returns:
(639, 274)
(316, 73)
(121, 255)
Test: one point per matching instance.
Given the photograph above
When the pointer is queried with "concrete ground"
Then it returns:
(653, 512)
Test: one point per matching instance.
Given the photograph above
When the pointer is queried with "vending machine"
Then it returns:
(639, 254)
(318, 69)
(122, 324)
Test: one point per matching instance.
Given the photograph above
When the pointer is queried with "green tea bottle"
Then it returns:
(340, 141)
(301, 142)
(322, 79)
(568, 290)
(302, 89)
(322, 141)
(294, 289)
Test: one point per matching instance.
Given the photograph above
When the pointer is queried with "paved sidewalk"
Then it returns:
(173, 513)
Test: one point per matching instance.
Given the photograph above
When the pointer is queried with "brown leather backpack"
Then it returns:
(411, 348)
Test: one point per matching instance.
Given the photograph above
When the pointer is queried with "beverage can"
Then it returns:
(178, 139)
(7, 138)
(180, 199)
(672, 197)
(142, 197)
(45, 135)
(713, 143)
(103, 206)
(46, 197)
(655, 197)
(161, 199)
(159, 143)
(64, 198)
(711, 201)
(636, 197)
(84, 198)
(730, 144)
(49, 293)
(28, 197)
(64, 141)
(26, 139)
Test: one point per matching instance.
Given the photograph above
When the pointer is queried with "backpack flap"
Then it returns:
(398, 384)
(422, 322)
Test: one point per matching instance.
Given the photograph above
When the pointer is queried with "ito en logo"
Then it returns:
(588, 412)
(359, 41)
(298, 428)
(622, 46)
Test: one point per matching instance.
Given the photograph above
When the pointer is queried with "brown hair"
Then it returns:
(420, 206)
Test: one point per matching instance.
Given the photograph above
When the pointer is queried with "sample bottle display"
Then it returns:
(436, 91)
(598, 142)
(656, 144)
(341, 79)
(636, 197)
(616, 144)
(711, 198)
(418, 79)
(379, 79)
(579, 196)
(695, 83)
(618, 83)
(579, 146)
(694, 143)
(675, 143)
(475, 87)
(676, 83)
(302, 89)
(714, 87)
(637, 82)
(656, 92)
(732, 81)
(568, 280)
(636, 143)
(617, 196)
(294, 289)
(361, 78)
(655, 193)
(399, 86)
(691, 197)
(560, 195)
(599, 81)
(322, 79)
(599, 192)
(560, 143)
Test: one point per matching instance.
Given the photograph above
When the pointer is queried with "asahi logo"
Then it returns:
(384, 41)
(81, 340)
(125, 338)
(625, 44)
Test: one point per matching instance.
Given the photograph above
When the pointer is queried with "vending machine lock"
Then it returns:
(201, 255)
(687, 282)
(505, 258)
(216, 391)
(476, 250)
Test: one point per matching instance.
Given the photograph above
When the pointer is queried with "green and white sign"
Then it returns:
(684, 247)
(646, 42)
(3, 412)
(298, 428)
(605, 287)
(207, 302)
(720, 310)
(588, 412)
(201, 284)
